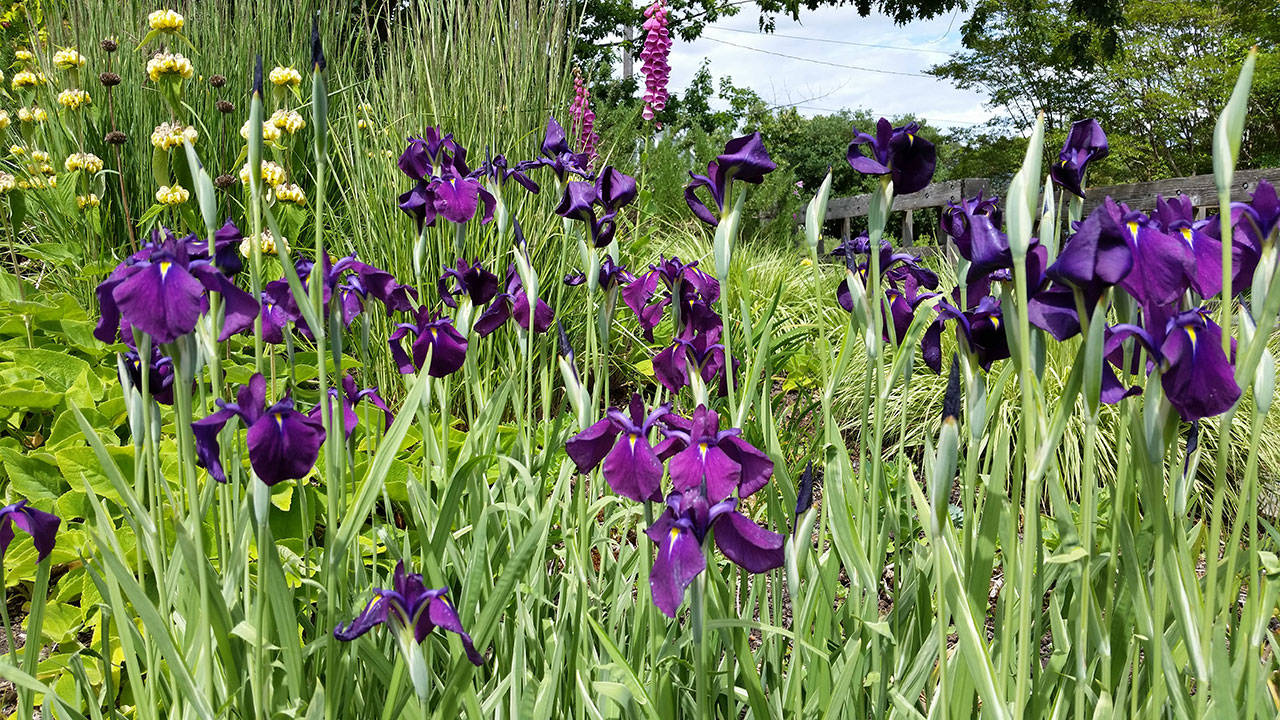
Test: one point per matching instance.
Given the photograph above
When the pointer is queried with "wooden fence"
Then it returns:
(1139, 196)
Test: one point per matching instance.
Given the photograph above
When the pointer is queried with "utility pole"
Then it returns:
(626, 52)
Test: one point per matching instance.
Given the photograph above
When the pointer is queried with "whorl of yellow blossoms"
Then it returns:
(88, 162)
(74, 98)
(289, 192)
(172, 195)
(68, 59)
(47, 169)
(169, 64)
(167, 136)
(17, 150)
(40, 156)
(35, 114)
(26, 78)
(165, 21)
(266, 242)
(270, 133)
(272, 174)
(88, 201)
(7, 182)
(23, 55)
(281, 76)
(5, 120)
(289, 121)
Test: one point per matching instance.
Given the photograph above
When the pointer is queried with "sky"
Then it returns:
(817, 88)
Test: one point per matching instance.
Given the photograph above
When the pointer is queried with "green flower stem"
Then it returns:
(700, 669)
(35, 624)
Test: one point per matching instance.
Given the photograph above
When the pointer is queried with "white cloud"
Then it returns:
(814, 87)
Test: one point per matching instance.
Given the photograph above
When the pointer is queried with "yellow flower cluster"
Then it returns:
(266, 242)
(282, 76)
(88, 162)
(17, 150)
(26, 79)
(272, 174)
(74, 98)
(289, 192)
(68, 59)
(7, 182)
(47, 169)
(165, 21)
(88, 201)
(40, 156)
(171, 135)
(270, 133)
(289, 121)
(33, 114)
(169, 64)
(23, 55)
(5, 120)
(172, 195)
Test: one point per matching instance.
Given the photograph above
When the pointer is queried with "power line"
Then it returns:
(833, 42)
(819, 62)
(944, 121)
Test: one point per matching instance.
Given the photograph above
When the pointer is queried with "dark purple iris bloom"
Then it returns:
(1098, 254)
(40, 525)
(680, 531)
(1176, 217)
(162, 291)
(955, 219)
(981, 330)
(974, 225)
(278, 310)
(423, 154)
(457, 197)
(514, 303)
(1197, 376)
(1085, 143)
(611, 191)
(557, 155)
(611, 275)
(351, 397)
(1261, 214)
(1163, 265)
(704, 456)
(431, 332)
(899, 270)
(744, 159)
(348, 280)
(631, 466)
(497, 170)
(898, 152)
(159, 374)
(409, 605)
(479, 284)
(697, 293)
(283, 443)
(902, 310)
(1053, 309)
(690, 352)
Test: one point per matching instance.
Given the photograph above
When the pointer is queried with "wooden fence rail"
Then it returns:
(1140, 196)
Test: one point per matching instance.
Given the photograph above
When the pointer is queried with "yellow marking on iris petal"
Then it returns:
(911, 139)
(434, 333)
(1133, 230)
(1191, 335)
(279, 417)
(702, 450)
(675, 533)
(164, 268)
(633, 437)
(995, 321)
(1186, 234)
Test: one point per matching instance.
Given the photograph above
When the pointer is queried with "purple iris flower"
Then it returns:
(696, 291)
(956, 217)
(278, 310)
(1197, 376)
(899, 152)
(1261, 214)
(348, 280)
(40, 525)
(680, 532)
(744, 159)
(902, 271)
(423, 154)
(431, 332)
(1098, 254)
(445, 185)
(631, 466)
(283, 443)
(514, 303)
(159, 374)
(974, 225)
(1163, 265)
(162, 290)
(1085, 143)
(351, 397)
(611, 191)
(1176, 217)
(690, 352)
(611, 275)
(902, 310)
(497, 170)
(479, 284)
(704, 456)
(557, 155)
(981, 330)
(409, 605)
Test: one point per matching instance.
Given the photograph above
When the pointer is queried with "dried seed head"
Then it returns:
(109, 45)
(115, 137)
(217, 80)
(225, 107)
(109, 79)
(222, 182)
